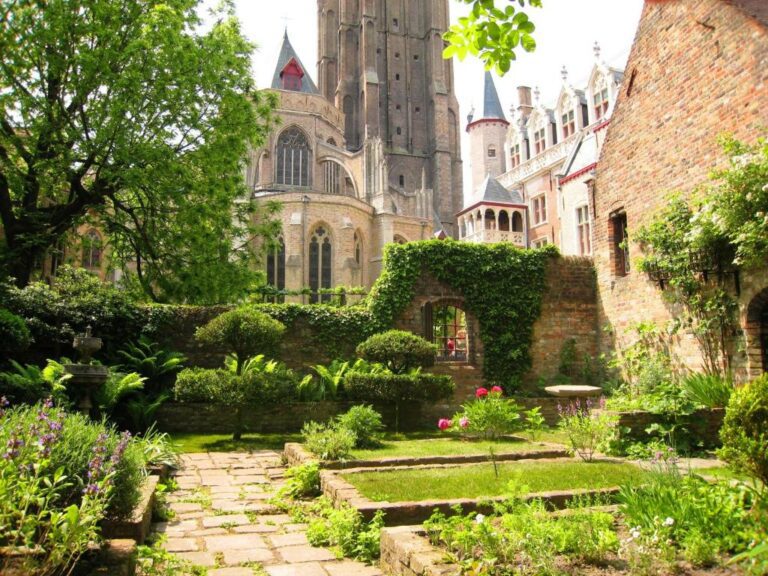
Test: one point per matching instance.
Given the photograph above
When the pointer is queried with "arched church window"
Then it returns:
(401, 181)
(399, 239)
(92, 248)
(276, 265)
(358, 249)
(320, 264)
(331, 173)
(332, 142)
(517, 222)
(294, 159)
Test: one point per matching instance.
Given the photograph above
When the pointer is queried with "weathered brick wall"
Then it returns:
(696, 69)
(568, 311)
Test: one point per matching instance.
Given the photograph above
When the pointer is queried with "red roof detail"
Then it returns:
(292, 69)
(486, 121)
(577, 173)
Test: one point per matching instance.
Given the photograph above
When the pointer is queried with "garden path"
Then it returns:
(223, 521)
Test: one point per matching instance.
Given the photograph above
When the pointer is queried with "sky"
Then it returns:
(566, 31)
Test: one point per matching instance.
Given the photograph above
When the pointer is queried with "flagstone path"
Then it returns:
(223, 521)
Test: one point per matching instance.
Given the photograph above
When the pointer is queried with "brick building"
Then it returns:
(697, 68)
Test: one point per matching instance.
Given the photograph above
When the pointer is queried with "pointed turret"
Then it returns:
(290, 73)
(491, 104)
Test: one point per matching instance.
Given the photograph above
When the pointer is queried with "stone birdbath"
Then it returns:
(86, 377)
(573, 391)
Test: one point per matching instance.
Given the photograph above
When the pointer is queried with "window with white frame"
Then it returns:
(515, 156)
(540, 243)
(583, 230)
(569, 124)
(540, 140)
(539, 209)
(600, 101)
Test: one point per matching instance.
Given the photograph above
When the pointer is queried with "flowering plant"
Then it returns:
(490, 415)
(585, 428)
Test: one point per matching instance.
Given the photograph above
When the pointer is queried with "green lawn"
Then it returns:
(224, 443)
(479, 480)
(445, 446)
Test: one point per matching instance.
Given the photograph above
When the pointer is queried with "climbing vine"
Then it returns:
(502, 287)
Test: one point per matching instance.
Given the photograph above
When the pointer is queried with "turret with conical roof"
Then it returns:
(290, 73)
(487, 135)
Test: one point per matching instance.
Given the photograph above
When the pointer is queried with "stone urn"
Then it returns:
(86, 377)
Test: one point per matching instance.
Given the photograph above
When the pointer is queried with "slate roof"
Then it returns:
(491, 104)
(585, 155)
(286, 54)
(491, 191)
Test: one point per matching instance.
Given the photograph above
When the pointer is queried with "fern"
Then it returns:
(117, 386)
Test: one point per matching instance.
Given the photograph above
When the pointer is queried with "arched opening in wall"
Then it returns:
(358, 256)
(399, 239)
(320, 264)
(756, 331)
(332, 142)
(294, 159)
(276, 268)
(92, 249)
(517, 222)
(446, 326)
(504, 221)
(490, 220)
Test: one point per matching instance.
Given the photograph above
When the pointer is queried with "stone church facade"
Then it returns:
(368, 156)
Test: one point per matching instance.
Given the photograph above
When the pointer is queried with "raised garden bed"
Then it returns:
(431, 451)
(137, 526)
(338, 487)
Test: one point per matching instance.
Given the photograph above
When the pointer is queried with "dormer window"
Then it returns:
(601, 103)
(540, 140)
(291, 76)
(515, 156)
(569, 124)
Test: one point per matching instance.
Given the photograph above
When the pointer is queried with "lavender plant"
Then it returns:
(585, 428)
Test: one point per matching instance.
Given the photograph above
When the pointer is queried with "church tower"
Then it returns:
(380, 62)
(487, 135)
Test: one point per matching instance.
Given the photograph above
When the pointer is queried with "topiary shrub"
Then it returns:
(745, 429)
(397, 388)
(398, 350)
(15, 337)
(365, 423)
(244, 332)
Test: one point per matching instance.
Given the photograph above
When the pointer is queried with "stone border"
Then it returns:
(137, 526)
(338, 490)
(406, 551)
(295, 455)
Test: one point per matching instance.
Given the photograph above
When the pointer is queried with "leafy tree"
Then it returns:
(132, 114)
(492, 33)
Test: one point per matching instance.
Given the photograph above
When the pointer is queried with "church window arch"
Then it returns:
(398, 239)
(320, 263)
(276, 265)
(92, 249)
(294, 158)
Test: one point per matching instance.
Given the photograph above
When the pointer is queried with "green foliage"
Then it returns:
(142, 120)
(535, 423)
(55, 314)
(156, 364)
(523, 538)
(672, 513)
(158, 448)
(252, 388)
(567, 365)
(245, 332)
(586, 429)
(334, 332)
(365, 423)
(708, 390)
(344, 530)
(29, 384)
(385, 387)
(302, 481)
(328, 441)
(492, 34)
(398, 350)
(489, 416)
(485, 275)
(745, 429)
(117, 387)
(14, 335)
(154, 560)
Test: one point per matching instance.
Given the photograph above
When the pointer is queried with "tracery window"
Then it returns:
(276, 265)
(92, 249)
(294, 159)
(320, 264)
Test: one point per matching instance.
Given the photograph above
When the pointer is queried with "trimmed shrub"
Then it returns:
(245, 332)
(745, 429)
(365, 424)
(327, 441)
(15, 337)
(398, 350)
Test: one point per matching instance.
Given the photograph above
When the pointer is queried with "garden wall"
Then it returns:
(704, 425)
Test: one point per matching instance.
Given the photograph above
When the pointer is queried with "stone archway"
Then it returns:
(756, 331)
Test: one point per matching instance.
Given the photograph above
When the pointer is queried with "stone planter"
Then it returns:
(137, 526)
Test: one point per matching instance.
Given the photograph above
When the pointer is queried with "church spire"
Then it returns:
(289, 63)
(491, 104)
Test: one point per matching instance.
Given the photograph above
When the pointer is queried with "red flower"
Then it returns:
(481, 393)
(497, 389)
(444, 423)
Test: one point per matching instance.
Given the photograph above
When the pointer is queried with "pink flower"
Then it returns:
(497, 389)
(481, 393)
(444, 423)
(464, 422)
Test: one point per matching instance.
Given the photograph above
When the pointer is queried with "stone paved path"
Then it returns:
(223, 521)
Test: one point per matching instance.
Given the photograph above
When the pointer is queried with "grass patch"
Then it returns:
(443, 446)
(223, 442)
(479, 480)
(720, 472)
